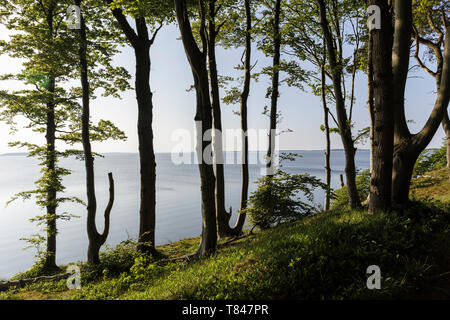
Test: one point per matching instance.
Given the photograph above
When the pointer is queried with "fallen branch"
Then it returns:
(23, 282)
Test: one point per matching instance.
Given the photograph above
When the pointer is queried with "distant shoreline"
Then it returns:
(18, 154)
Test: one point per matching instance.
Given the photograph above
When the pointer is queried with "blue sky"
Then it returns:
(174, 107)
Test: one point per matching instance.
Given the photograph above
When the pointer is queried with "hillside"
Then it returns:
(320, 257)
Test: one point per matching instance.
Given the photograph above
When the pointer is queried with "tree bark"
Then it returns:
(223, 217)
(244, 123)
(383, 117)
(344, 127)
(327, 138)
(51, 158)
(203, 118)
(96, 240)
(275, 87)
(141, 44)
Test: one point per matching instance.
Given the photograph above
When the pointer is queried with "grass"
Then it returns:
(320, 257)
(435, 185)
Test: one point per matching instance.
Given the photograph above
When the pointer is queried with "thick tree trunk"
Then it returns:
(96, 240)
(408, 147)
(383, 117)
(344, 127)
(275, 87)
(203, 118)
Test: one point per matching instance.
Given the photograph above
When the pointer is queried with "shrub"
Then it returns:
(281, 198)
(431, 160)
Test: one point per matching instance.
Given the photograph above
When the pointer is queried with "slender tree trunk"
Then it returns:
(344, 127)
(328, 141)
(244, 123)
(51, 159)
(383, 117)
(50, 259)
(147, 213)
(96, 240)
(371, 105)
(203, 118)
(141, 44)
(223, 217)
(275, 87)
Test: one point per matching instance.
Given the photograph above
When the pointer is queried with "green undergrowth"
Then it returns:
(320, 257)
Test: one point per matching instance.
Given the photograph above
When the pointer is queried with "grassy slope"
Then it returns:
(322, 257)
(433, 184)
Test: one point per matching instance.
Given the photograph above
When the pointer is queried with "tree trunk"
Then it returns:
(144, 95)
(141, 44)
(383, 117)
(275, 87)
(51, 158)
(96, 240)
(344, 127)
(223, 217)
(244, 123)
(408, 147)
(203, 118)
(328, 141)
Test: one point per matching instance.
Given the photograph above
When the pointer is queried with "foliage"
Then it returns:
(340, 197)
(280, 198)
(47, 100)
(431, 160)
(321, 257)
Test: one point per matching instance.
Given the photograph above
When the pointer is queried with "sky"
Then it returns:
(174, 106)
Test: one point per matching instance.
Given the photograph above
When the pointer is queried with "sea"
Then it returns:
(178, 209)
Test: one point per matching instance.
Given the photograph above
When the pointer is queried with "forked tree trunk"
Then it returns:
(408, 147)
(203, 118)
(96, 240)
(382, 112)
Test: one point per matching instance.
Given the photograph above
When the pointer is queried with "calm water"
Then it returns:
(178, 201)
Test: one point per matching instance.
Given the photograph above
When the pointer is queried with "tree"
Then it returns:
(96, 240)
(275, 72)
(197, 59)
(382, 139)
(334, 44)
(146, 14)
(304, 40)
(237, 33)
(42, 39)
(408, 146)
